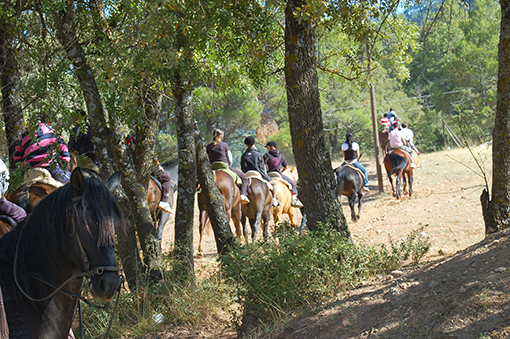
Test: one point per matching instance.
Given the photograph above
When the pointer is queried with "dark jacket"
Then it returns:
(82, 142)
(275, 161)
(252, 160)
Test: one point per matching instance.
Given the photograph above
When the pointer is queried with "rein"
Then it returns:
(88, 273)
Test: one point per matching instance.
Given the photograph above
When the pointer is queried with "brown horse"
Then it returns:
(398, 162)
(232, 200)
(27, 196)
(285, 197)
(350, 184)
(383, 140)
(258, 210)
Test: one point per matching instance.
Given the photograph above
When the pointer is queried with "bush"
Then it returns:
(274, 281)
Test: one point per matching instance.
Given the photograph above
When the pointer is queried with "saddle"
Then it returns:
(221, 166)
(255, 174)
(277, 176)
(40, 175)
(356, 169)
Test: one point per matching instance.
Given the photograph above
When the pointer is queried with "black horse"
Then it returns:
(69, 236)
(350, 184)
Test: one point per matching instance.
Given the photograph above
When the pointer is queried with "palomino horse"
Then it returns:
(398, 162)
(69, 236)
(259, 208)
(350, 184)
(285, 197)
(232, 199)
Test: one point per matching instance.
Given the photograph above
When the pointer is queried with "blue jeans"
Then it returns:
(60, 174)
(358, 165)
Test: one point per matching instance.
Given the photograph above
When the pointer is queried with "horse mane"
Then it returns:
(40, 237)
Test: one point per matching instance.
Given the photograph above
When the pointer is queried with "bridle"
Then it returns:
(86, 273)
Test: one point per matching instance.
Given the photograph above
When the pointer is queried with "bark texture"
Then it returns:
(10, 84)
(184, 215)
(497, 207)
(214, 199)
(134, 202)
(318, 184)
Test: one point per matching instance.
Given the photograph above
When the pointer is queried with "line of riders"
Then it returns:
(400, 136)
(45, 149)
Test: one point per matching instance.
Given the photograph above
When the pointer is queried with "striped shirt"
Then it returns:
(39, 148)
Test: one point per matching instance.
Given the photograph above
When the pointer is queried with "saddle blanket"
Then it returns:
(277, 176)
(356, 169)
(40, 175)
(255, 174)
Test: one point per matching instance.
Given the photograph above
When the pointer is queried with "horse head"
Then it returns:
(94, 215)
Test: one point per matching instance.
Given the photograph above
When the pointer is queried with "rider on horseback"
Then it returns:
(6, 207)
(276, 162)
(350, 151)
(45, 148)
(409, 137)
(252, 160)
(80, 142)
(397, 140)
(221, 157)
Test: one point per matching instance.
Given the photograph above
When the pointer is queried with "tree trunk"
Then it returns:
(101, 136)
(103, 141)
(214, 199)
(184, 215)
(319, 193)
(497, 209)
(10, 83)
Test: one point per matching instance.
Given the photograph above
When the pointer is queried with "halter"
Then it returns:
(88, 272)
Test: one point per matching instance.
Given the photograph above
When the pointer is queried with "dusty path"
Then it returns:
(460, 292)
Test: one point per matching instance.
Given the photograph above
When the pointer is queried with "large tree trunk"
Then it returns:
(214, 199)
(10, 83)
(184, 215)
(318, 183)
(497, 207)
(136, 206)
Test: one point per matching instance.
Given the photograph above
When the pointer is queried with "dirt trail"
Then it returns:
(461, 290)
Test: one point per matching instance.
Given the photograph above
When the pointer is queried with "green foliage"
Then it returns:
(180, 305)
(276, 280)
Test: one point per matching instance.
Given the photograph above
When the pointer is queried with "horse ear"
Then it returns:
(114, 181)
(77, 181)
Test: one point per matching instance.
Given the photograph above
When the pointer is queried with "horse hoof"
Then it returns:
(199, 255)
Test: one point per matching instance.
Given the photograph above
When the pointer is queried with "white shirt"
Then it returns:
(408, 134)
(355, 147)
(4, 177)
(395, 138)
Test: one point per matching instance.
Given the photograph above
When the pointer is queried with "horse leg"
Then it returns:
(203, 222)
(245, 229)
(404, 178)
(410, 183)
(397, 183)
(360, 198)
(352, 200)
(392, 187)
(255, 224)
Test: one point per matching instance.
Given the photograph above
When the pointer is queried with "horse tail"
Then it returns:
(340, 175)
(398, 163)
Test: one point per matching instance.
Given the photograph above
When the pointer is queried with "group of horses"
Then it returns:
(396, 162)
(81, 236)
